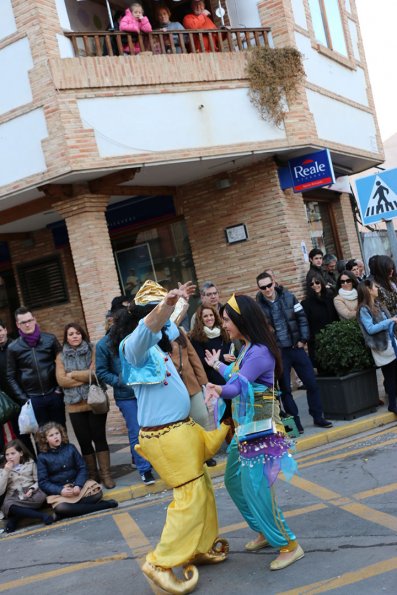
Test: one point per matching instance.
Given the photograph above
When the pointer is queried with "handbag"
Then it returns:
(27, 421)
(8, 408)
(255, 430)
(97, 398)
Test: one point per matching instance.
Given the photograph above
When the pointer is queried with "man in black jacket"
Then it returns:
(288, 319)
(31, 369)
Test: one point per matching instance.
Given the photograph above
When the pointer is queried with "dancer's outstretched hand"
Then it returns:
(211, 357)
(184, 290)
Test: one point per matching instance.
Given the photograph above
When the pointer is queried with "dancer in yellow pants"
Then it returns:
(174, 444)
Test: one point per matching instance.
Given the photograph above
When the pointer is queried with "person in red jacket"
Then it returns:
(199, 19)
(134, 22)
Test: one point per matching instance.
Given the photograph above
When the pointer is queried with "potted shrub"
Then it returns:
(347, 375)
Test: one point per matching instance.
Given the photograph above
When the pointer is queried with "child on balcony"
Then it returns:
(134, 22)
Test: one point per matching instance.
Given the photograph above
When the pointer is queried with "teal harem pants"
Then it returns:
(256, 503)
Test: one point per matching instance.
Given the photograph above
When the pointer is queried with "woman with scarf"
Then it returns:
(319, 309)
(208, 334)
(254, 461)
(75, 365)
(346, 301)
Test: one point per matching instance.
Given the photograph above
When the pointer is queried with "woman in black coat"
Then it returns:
(208, 334)
(319, 309)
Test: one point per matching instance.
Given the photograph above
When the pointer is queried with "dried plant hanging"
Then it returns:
(274, 76)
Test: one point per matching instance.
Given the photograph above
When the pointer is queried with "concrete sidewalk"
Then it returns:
(130, 486)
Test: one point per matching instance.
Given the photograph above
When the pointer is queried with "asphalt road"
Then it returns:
(343, 508)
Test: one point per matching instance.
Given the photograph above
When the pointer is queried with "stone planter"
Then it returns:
(348, 397)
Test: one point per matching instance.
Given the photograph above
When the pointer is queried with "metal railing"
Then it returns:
(117, 43)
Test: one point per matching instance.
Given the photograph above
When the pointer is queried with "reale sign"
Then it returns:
(311, 171)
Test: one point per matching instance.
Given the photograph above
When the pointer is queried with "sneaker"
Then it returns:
(147, 478)
(323, 423)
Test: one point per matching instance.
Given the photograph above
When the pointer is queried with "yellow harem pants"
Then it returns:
(178, 453)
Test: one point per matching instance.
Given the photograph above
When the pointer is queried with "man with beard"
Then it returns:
(175, 445)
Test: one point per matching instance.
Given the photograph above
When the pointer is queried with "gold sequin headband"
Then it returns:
(233, 304)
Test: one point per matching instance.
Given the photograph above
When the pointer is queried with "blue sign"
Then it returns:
(311, 171)
(377, 196)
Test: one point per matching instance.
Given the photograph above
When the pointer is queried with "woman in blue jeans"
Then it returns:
(108, 369)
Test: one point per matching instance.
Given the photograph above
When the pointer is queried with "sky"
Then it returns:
(378, 24)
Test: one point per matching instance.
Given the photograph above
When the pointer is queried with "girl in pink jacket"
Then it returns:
(134, 22)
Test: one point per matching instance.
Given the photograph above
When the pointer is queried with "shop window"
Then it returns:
(161, 253)
(42, 283)
(327, 25)
(322, 227)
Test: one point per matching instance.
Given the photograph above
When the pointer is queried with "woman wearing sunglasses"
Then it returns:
(319, 309)
(346, 300)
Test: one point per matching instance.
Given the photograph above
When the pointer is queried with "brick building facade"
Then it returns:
(153, 156)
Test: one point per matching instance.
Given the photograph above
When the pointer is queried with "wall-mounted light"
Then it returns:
(223, 183)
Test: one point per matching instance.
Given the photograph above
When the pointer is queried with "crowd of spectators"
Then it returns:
(134, 23)
(55, 378)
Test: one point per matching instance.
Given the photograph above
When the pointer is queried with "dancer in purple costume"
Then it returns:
(253, 465)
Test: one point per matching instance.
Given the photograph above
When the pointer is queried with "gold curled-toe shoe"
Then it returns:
(282, 562)
(166, 579)
(255, 545)
(218, 553)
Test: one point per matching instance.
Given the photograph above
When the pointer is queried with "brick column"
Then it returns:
(92, 256)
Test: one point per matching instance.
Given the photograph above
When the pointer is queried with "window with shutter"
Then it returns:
(43, 282)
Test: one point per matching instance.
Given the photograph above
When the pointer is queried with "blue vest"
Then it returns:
(153, 372)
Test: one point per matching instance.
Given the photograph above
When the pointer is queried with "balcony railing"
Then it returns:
(116, 43)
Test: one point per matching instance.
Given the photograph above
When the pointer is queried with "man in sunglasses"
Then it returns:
(288, 319)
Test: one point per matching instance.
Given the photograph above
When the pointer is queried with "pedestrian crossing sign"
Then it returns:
(377, 196)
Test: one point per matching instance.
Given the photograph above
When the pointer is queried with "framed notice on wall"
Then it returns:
(236, 233)
(135, 266)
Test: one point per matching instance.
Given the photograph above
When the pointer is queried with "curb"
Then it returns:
(134, 492)
(357, 427)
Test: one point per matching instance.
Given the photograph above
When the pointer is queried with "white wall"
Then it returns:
(7, 21)
(174, 121)
(65, 47)
(341, 123)
(354, 38)
(243, 13)
(298, 9)
(15, 63)
(330, 74)
(20, 147)
(63, 15)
